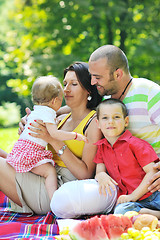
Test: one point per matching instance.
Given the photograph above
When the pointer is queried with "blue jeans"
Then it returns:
(152, 202)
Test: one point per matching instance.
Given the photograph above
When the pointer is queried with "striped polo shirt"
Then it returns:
(143, 104)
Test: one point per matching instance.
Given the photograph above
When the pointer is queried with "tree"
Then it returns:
(7, 93)
(45, 36)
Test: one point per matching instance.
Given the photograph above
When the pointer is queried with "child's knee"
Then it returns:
(122, 208)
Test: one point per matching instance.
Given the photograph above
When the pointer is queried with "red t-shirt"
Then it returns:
(125, 160)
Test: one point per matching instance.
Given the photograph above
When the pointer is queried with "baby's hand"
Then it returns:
(80, 137)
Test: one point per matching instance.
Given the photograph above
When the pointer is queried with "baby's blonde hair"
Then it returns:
(45, 88)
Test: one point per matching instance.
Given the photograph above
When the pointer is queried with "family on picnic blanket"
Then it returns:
(103, 146)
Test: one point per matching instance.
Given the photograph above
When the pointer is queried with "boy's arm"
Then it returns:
(104, 180)
(142, 188)
(63, 135)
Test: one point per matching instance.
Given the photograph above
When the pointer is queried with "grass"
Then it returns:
(8, 136)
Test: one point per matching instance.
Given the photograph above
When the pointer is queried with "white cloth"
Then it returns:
(44, 113)
(81, 197)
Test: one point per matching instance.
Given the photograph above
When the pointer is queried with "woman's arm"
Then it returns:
(81, 168)
(84, 168)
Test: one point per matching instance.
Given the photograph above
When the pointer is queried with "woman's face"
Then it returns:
(74, 94)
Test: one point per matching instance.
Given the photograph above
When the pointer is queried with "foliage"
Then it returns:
(7, 93)
(42, 37)
(8, 136)
(9, 114)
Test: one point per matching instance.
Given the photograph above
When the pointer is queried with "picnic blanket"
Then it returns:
(24, 226)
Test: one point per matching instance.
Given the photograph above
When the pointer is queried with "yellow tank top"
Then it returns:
(76, 147)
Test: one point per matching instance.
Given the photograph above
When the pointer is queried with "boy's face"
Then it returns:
(111, 120)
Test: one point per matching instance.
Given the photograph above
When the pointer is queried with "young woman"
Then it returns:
(75, 160)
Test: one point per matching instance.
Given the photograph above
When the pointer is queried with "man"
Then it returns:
(109, 70)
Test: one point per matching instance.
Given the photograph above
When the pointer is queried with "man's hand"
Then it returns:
(155, 180)
(23, 121)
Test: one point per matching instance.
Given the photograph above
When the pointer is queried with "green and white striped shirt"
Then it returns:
(143, 104)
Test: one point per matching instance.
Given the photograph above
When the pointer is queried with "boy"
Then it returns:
(124, 160)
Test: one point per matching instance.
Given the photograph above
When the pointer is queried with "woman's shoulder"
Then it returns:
(60, 120)
(92, 131)
(92, 122)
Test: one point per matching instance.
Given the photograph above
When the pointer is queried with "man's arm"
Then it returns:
(23, 121)
(63, 110)
(154, 181)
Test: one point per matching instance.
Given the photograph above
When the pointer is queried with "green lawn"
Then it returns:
(8, 136)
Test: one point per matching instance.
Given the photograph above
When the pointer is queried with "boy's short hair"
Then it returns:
(112, 101)
(45, 88)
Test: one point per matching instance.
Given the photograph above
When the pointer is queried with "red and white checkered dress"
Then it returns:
(26, 154)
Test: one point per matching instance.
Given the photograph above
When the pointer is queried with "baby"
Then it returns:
(28, 153)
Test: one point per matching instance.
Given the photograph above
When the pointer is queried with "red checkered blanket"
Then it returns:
(23, 226)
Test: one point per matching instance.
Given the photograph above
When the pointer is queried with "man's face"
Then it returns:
(102, 77)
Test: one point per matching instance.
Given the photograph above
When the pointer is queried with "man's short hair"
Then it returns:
(115, 57)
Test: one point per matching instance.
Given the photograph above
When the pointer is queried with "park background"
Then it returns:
(42, 37)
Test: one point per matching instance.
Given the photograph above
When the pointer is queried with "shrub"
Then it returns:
(9, 114)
